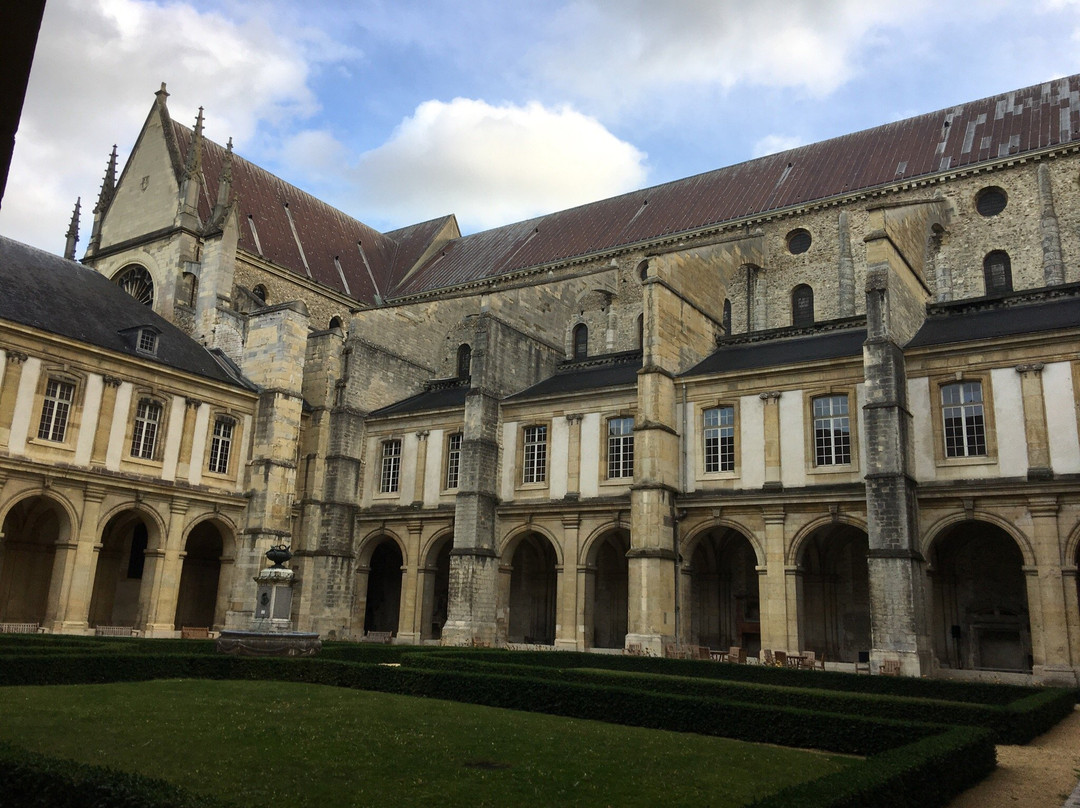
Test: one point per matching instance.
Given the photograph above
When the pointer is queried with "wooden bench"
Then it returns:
(194, 633)
(21, 628)
(115, 631)
(377, 636)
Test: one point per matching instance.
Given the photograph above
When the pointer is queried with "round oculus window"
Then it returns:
(991, 201)
(136, 281)
(798, 241)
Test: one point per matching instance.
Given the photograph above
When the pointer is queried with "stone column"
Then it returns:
(224, 590)
(12, 373)
(73, 599)
(573, 456)
(1054, 664)
(771, 404)
(774, 582)
(421, 467)
(105, 418)
(845, 268)
(1072, 613)
(161, 616)
(569, 596)
(409, 616)
(1035, 430)
(1053, 267)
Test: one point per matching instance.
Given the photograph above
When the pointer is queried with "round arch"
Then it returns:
(607, 587)
(513, 537)
(1072, 546)
(702, 530)
(435, 584)
(979, 597)
(53, 496)
(156, 528)
(597, 534)
(798, 541)
(529, 585)
(379, 582)
(123, 580)
(205, 574)
(372, 540)
(32, 527)
(723, 595)
(834, 589)
(941, 526)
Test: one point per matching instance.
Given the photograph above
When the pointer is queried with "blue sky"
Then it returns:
(397, 112)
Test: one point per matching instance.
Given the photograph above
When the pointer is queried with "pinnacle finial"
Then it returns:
(73, 232)
(193, 167)
(199, 123)
(162, 94)
(108, 184)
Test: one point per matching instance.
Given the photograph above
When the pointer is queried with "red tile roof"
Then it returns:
(1031, 119)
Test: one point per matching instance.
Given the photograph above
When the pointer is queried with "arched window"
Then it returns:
(190, 288)
(802, 305)
(136, 281)
(464, 361)
(260, 292)
(997, 273)
(726, 322)
(581, 341)
(641, 331)
(335, 322)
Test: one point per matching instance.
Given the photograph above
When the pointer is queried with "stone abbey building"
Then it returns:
(825, 400)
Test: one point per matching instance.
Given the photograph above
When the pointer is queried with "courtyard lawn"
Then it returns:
(266, 743)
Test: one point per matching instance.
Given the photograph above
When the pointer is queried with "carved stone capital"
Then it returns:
(771, 395)
(1032, 367)
(112, 381)
(16, 357)
(193, 403)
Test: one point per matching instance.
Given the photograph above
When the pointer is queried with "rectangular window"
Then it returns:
(620, 461)
(719, 430)
(390, 477)
(221, 445)
(453, 460)
(534, 459)
(147, 341)
(962, 410)
(144, 434)
(832, 431)
(55, 410)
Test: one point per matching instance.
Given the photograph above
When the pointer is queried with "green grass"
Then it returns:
(267, 743)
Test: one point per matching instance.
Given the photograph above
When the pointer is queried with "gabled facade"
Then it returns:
(805, 402)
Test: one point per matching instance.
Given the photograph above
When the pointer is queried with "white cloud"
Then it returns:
(771, 144)
(618, 51)
(97, 65)
(490, 164)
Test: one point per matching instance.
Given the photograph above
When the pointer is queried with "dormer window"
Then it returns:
(147, 341)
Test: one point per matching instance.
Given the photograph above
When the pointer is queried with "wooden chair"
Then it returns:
(862, 662)
(634, 649)
(378, 636)
(767, 657)
(781, 658)
(810, 660)
(194, 633)
(700, 652)
(737, 655)
(890, 667)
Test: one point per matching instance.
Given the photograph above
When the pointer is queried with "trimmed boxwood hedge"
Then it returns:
(1015, 723)
(30, 780)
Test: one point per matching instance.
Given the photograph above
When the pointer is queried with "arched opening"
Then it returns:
(997, 273)
(260, 292)
(120, 567)
(641, 331)
(581, 341)
(834, 592)
(725, 323)
(802, 305)
(606, 591)
(464, 361)
(384, 588)
(137, 282)
(980, 599)
(189, 289)
(533, 584)
(724, 602)
(436, 589)
(30, 533)
(335, 322)
(200, 577)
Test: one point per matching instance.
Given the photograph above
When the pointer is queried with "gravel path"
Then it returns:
(1042, 774)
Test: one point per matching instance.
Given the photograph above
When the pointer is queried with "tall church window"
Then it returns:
(997, 273)
(719, 430)
(390, 473)
(453, 460)
(725, 323)
(802, 305)
(137, 282)
(464, 361)
(534, 455)
(145, 430)
(832, 431)
(965, 426)
(581, 341)
(620, 447)
(221, 445)
(260, 292)
(55, 410)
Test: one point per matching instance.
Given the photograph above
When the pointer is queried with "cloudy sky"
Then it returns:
(397, 111)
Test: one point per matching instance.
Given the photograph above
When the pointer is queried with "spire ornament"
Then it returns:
(73, 232)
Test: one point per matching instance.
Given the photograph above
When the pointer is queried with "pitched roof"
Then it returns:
(747, 353)
(1048, 309)
(62, 297)
(1030, 119)
(594, 373)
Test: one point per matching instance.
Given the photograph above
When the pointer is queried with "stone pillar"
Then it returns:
(1053, 267)
(224, 591)
(569, 595)
(105, 418)
(1069, 578)
(421, 467)
(845, 268)
(1035, 615)
(1035, 430)
(771, 403)
(573, 456)
(409, 614)
(775, 582)
(161, 617)
(12, 373)
(73, 597)
(1054, 663)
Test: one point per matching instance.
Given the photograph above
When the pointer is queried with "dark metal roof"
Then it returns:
(594, 373)
(43, 291)
(440, 396)
(1030, 119)
(1024, 313)
(746, 354)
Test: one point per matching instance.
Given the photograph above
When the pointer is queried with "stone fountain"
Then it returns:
(271, 632)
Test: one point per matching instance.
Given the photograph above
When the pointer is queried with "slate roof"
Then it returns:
(800, 347)
(50, 293)
(1030, 119)
(1004, 317)
(594, 373)
(440, 398)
